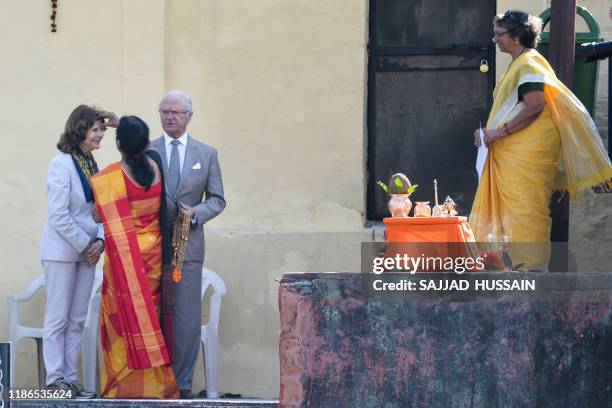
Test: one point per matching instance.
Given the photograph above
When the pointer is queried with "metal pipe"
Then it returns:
(562, 39)
(562, 49)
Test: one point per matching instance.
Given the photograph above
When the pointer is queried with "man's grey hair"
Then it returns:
(181, 95)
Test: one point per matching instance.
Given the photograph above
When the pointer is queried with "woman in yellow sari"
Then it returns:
(136, 303)
(540, 139)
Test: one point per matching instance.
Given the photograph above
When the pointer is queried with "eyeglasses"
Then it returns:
(500, 35)
(167, 113)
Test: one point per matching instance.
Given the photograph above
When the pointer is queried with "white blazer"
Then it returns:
(70, 226)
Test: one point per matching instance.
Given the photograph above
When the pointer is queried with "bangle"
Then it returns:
(506, 129)
(103, 244)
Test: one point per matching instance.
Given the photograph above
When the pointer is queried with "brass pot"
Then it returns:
(399, 205)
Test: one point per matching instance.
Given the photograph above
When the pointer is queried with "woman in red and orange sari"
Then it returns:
(136, 291)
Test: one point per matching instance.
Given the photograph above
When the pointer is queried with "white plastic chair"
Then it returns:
(90, 332)
(210, 331)
(18, 332)
(91, 338)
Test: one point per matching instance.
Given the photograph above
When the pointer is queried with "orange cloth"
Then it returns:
(434, 237)
(429, 229)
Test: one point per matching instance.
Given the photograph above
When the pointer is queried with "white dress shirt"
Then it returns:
(181, 149)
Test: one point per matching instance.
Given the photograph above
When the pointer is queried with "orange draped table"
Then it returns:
(429, 229)
(436, 237)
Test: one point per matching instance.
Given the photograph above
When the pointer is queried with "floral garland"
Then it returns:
(53, 14)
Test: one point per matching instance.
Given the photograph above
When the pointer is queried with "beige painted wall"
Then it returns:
(280, 95)
(278, 87)
(106, 56)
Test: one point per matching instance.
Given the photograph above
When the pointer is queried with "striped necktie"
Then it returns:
(174, 174)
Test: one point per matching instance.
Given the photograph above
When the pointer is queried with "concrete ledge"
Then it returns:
(342, 347)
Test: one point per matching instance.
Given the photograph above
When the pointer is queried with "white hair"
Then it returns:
(186, 98)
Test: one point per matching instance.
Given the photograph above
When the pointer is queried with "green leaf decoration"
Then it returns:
(383, 186)
(412, 188)
(398, 183)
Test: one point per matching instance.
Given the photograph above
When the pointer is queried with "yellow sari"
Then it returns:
(560, 150)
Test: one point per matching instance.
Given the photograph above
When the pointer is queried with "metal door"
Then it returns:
(427, 95)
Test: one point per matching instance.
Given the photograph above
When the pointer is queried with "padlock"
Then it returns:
(484, 66)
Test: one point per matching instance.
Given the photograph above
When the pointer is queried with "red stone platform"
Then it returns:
(341, 346)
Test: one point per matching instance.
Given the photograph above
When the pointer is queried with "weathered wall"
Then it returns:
(344, 345)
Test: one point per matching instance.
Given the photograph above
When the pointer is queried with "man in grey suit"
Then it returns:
(192, 174)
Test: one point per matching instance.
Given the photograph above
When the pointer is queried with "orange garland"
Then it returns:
(180, 236)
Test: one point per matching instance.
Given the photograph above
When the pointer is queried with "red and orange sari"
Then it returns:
(136, 354)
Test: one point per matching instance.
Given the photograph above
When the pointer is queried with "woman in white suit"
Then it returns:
(71, 246)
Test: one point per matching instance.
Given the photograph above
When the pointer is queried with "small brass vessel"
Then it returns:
(422, 209)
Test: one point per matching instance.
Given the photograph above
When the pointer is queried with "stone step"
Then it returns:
(106, 403)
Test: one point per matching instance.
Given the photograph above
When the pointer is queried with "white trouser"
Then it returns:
(68, 287)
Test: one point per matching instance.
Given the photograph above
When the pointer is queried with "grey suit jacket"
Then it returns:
(198, 182)
(70, 227)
